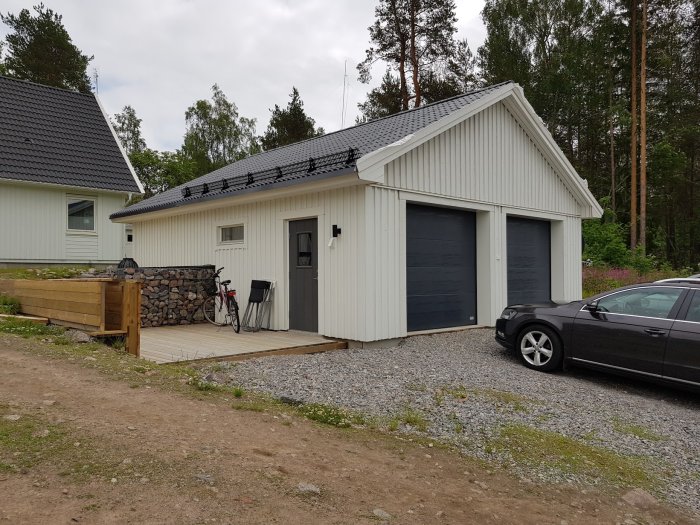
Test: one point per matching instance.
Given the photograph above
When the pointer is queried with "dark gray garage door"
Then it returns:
(529, 261)
(441, 267)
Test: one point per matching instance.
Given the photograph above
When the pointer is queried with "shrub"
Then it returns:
(598, 279)
(9, 305)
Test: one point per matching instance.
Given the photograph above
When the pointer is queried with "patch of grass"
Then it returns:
(206, 386)
(24, 328)
(458, 426)
(253, 406)
(515, 402)
(330, 415)
(28, 441)
(639, 431)
(57, 272)
(458, 392)
(535, 447)
(411, 417)
(416, 387)
(237, 391)
(9, 305)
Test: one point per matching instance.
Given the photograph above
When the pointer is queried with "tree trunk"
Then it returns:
(414, 55)
(633, 137)
(402, 56)
(643, 133)
(613, 184)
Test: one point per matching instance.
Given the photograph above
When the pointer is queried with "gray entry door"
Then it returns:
(303, 275)
(529, 261)
(440, 267)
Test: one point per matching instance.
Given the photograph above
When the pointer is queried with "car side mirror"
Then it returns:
(592, 306)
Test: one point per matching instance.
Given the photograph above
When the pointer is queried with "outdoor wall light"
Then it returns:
(336, 231)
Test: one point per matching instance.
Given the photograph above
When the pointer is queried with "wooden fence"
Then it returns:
(102, 307)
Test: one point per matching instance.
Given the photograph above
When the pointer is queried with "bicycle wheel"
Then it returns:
(211, 308)
(235, 321)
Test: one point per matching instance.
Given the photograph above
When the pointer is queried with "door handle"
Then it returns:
(655, 332)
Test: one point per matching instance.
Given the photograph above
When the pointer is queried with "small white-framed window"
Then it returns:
(234, 234)
(81, 214)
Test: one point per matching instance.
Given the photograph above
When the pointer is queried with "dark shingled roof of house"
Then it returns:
(55, 136)
(321, 157)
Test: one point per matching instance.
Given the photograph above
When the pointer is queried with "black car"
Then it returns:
(646, 330)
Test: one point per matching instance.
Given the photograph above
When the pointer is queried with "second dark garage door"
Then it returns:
(440, 267)
(529, 261)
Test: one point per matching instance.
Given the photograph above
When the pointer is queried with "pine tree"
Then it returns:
(40, 50)
(289, 125)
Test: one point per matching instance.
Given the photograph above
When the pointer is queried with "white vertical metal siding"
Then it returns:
(34, 226)
(191, 239)
(487, 158)
(486, 163)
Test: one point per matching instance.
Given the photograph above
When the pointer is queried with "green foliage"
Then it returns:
(9, 305)
(26, 441)
(408, 416)
(289, 125)
(382, 101)
(605, 242)
(160, 171)
(329, 415)
(535, 447)
(27, 329)
(417, 41)
(40, 49)
(599, 279)
(638, 431)
(127, 126)
(573, 61)
(216, 135)
(55, 272)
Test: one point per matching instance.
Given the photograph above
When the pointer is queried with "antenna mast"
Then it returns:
(96, 76)
(344, 105)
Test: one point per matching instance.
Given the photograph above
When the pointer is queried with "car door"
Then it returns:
(682, 361)
(629, 329)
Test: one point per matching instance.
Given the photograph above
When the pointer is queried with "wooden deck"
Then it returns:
(169, 344)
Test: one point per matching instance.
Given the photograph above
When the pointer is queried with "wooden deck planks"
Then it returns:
(203, 341)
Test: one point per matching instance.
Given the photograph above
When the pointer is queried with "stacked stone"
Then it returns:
(170, 296)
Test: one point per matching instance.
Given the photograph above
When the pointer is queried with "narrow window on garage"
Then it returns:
(81, 214)
(231, 234)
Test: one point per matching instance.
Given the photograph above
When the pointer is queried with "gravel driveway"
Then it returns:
(462, 387)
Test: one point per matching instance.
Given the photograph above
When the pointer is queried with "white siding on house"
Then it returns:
(191, 239)
(486, 164)
(487, 158)
(35, 226)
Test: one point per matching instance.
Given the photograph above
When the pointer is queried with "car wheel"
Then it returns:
(540, 348)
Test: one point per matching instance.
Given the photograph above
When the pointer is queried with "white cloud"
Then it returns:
(159, 56)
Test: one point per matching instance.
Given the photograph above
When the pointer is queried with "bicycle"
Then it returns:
(222, 301)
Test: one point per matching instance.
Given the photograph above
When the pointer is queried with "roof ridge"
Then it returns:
(63, 90)
(393, 115)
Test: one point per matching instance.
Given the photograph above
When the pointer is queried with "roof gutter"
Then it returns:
(323, 182)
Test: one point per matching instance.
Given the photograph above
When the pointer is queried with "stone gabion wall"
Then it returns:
(170, 295)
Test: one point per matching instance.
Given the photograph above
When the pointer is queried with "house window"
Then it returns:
(304, 250)
(81, 214)
(231, 234)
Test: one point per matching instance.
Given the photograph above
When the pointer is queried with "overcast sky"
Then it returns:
(159, 56)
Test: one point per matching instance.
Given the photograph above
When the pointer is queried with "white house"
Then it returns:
(62, 173)
(431, 218)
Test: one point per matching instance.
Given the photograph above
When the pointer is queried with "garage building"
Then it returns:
(433, 218)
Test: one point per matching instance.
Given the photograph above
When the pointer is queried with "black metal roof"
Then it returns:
(321, 157)
(56, 136)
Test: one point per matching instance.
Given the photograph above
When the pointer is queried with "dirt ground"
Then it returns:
(148, 455)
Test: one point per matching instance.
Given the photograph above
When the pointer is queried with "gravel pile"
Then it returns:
(468, 389)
